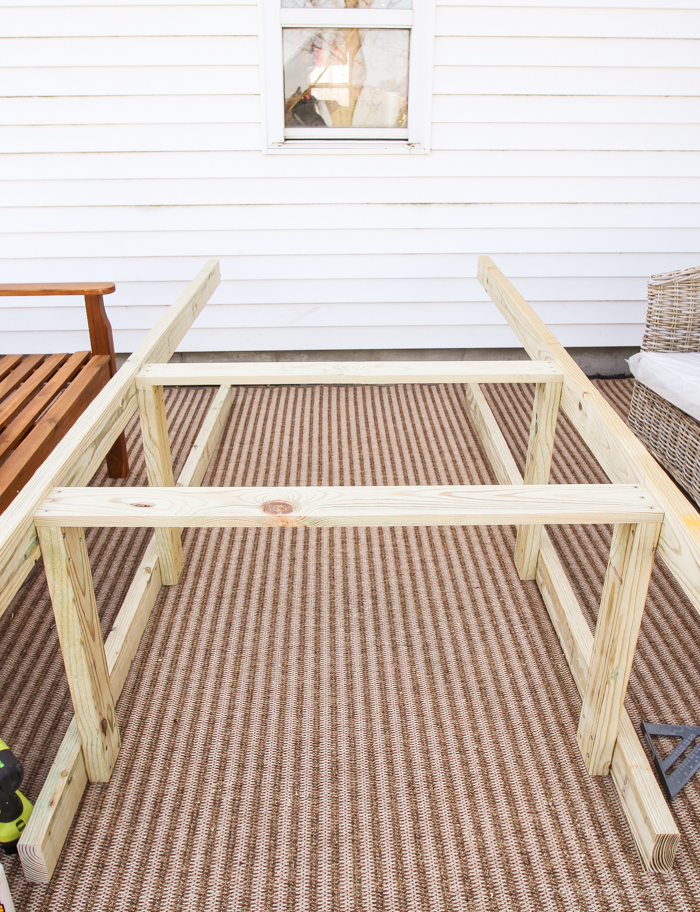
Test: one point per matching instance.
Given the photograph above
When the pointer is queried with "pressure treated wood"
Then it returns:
(527, 505)
(650, 820)
(624, 459)
(196, 465)
(452, 505)
(77, 456)
(347, 372)
(44, 836)
(159, 466)
(617, 628)
(537, 467)
(78, 624)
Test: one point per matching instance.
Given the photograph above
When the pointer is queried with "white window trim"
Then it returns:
(416, 139)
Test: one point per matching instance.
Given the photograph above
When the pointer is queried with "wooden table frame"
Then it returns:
(637, 504)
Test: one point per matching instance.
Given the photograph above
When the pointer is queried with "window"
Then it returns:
(347, 73)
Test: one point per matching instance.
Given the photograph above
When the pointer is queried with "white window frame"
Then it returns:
(421, 22)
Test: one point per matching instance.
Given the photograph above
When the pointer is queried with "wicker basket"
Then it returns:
(673, 325)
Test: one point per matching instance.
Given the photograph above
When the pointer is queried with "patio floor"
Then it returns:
(351, 719)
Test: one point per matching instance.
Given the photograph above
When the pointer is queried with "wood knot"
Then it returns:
(143, 505)
(277, 508)
(103, 726)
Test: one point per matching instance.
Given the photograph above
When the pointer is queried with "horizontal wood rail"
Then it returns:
(350, 372)
(464, 505)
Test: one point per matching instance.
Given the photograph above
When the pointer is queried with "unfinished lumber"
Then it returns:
(451, 505)
(78, 455)
(617, 628)
(200, 456)
(349, 372)
(159, 467)
(537, 467)
(78, 624)
(623, 457)
(650, 820)
(43, 838)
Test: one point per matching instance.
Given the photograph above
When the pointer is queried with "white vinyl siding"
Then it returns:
(564, 141)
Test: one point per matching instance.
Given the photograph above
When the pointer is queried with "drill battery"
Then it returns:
(14, 807)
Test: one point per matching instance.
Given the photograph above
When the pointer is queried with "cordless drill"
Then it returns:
(14, 807)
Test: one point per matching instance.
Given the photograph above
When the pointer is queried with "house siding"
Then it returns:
(564, 141)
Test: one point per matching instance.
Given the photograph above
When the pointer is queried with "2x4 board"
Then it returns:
(600, 665)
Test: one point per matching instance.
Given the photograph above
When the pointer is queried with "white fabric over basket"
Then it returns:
(673, 375)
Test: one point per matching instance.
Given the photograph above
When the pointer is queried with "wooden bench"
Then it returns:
(42, 396)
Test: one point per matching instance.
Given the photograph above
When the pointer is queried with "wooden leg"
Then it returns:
(102, 343)
(43, 837)
(619, 618)
(78, 624)
(537, 466)
(159, 465)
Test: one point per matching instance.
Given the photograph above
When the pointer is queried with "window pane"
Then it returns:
(348, 4)
(345, 77)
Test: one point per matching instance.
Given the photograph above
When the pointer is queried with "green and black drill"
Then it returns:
(14, 807)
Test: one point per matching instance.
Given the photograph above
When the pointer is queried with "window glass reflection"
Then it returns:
(345, 77)
(348, 4)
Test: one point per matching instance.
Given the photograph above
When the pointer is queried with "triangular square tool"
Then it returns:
(674, 781)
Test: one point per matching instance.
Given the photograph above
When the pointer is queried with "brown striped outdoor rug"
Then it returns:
(351, 719)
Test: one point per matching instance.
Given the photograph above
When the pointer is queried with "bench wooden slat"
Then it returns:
(19, 374)
(15, 402)
(8, 363)
(19, 467)
(22, 424)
